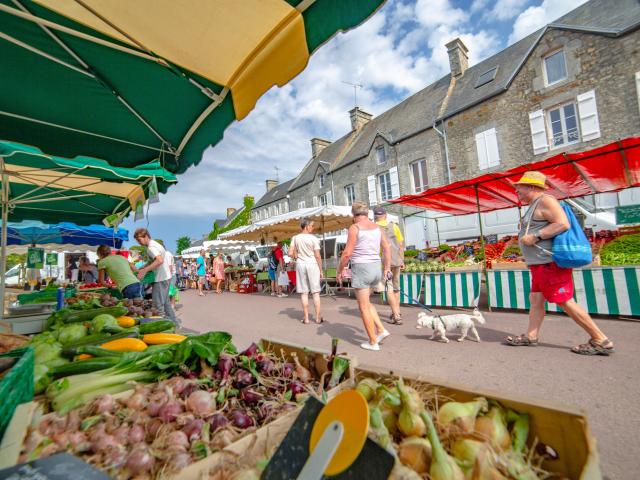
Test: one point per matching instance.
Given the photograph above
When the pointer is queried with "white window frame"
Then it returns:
(380, 148)
(322, 179)
(544, 67)
(547, 116)
(302, 204)
(350, 194)
(387, 195)
(424, 183)
(323, 200)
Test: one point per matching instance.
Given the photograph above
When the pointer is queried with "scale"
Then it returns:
(330, 441)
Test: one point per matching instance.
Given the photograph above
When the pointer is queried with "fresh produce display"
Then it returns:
(624, 250)
(415, 266)
(193, 398)
(139, 308)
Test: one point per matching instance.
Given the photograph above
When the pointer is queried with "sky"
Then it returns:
(397, 52)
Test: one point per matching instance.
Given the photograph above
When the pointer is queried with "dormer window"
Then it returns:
(555, 67)
(380, 155)
(322, 179)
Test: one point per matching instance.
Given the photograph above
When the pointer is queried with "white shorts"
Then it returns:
(365, 275)
(307, 277)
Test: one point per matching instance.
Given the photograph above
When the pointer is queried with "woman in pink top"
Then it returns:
(364, 242)
(218, 270)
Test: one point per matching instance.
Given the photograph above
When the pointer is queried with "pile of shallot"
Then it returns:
(163, 427)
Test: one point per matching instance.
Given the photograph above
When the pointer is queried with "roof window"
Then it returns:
(486, 77)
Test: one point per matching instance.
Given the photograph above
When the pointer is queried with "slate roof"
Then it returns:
(226, 221)
(615, 15)
(276, 193)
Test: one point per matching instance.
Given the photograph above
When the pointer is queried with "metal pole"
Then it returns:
(3, 236)
(437, 230)
(484, 250)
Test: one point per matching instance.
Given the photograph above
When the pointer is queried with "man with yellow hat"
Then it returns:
(545, 219)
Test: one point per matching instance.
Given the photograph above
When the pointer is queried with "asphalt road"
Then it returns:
(607, 388)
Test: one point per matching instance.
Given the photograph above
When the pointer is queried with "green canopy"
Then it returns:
(133, 82)
(84, 190)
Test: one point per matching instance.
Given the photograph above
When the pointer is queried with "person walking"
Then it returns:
(392, 232)
(218, 270)
(364, 242)
(161, 267)
(305, 249)
(201, 263)
(544, 220)
(120, 271)
(276, 265)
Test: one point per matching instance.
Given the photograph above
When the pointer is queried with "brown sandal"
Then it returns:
(595, 347)
(521, 341)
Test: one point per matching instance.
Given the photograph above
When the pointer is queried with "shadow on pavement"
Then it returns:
(350, 311)
(348, 333)
(295, 313)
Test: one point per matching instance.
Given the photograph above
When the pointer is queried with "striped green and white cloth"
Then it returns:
(601, 290)
(449, 289)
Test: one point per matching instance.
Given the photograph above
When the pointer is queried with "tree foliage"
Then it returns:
(242, 219)
(182, 244)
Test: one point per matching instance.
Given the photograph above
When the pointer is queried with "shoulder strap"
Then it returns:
(532, 209)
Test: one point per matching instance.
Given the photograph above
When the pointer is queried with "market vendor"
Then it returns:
(544, 220)
(120, 271)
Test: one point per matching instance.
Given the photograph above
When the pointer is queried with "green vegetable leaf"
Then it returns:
(287, 395)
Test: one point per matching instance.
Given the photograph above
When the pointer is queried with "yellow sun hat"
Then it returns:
(533, 178)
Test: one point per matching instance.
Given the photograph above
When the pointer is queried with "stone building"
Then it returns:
(571, 86)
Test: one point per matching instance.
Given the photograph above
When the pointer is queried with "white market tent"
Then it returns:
(213, 246)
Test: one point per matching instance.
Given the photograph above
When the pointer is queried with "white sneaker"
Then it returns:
(382, 336)
(367, 346)
(282, 295)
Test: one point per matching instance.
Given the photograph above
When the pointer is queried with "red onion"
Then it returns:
(102, 442)
(225, 364)
(79, 442)
(265, 411)
(243, 378)
(104, 404)
(188, 390)
(73, 421)
(241, 419)
(122, 434)
(177, 384)
(251, 351)
(217, 421)
(136, 401)
(249, 396)
(193, 429)
(61, 439)
(178, 461)
(157, 400)
(170, 411)
(296, 387)
(177, 438)
(266, 366)
(136, 434)
(287, 369)
(153, 427)
(140, 461)
(115, 457)
(201, 403)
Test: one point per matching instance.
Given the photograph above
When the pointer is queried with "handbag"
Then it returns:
(570, 249)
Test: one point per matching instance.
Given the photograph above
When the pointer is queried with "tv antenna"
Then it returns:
(355, 86)
(277, 173)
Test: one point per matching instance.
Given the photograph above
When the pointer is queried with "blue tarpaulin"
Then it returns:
(38, 233)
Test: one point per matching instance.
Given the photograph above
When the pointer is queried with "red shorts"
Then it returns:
(555, 283)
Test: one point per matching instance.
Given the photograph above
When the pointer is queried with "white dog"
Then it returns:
(440, 324)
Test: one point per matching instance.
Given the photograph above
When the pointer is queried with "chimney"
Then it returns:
(230, 211)
(317, 145)
(359, 118)
(458, 58)
(271, 184)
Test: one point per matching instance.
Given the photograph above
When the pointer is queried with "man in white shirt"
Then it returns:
(162, 268)
(305, 248)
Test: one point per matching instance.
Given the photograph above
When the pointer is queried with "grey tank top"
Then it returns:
(367, 248)
(540, 253)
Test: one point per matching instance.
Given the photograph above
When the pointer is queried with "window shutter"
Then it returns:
(538, 132)
(481, 147)
(493, 154)
(588, 112)
(395, 182)
(373, 195)
(315, 201)
(329, 198)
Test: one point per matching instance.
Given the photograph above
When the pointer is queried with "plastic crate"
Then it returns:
(17, 385)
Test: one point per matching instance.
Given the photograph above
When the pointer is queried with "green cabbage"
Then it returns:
(41, 378)
(72, 333)
(47, 351)
(103, 320)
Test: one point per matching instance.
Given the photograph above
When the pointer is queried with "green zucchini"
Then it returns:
(70, 350)
(88, 315)
(156, 327)
(98, 351)
(84, 366)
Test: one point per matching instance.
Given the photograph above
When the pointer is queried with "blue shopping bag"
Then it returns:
(571, 249)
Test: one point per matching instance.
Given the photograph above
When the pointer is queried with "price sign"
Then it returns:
(52, 259)
(35, 257)
(628, 214)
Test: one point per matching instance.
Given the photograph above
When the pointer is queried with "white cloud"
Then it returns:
(433, 13)
(537, 16)
(506, 9)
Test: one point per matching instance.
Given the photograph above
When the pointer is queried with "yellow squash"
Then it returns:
(125, 345)
(162, 338)
(126, 322)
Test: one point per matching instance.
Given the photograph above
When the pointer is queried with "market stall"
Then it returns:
(608, 289)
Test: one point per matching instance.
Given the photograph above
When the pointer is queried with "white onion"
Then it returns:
(201, 403)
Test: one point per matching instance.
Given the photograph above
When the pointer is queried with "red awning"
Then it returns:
(610, 168)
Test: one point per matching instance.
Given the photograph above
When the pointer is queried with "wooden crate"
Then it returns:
(509, 266)
(28, 414)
